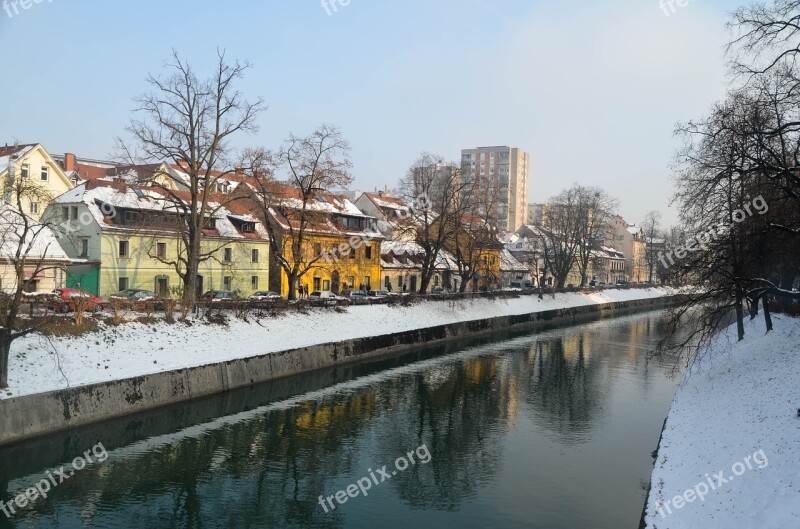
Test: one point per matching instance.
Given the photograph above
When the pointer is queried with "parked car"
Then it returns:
(264, 295)
(135, 295)
(215, 296)
(68, 299)
(357, 297)
(325, 297)
(378, 293)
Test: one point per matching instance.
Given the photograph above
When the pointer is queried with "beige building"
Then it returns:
(628, 239)
(32, 163)
(501, 175)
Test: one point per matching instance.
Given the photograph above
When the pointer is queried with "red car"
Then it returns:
(66, 299)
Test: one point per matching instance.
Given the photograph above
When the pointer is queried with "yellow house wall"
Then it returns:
(56, 184)
(324, 269)
(47, 281)
(142, 270)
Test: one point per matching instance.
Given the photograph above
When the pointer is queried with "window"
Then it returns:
(227, 255)
(131, 217)
(326, 284)
(45, 174)
(254, 282)
(162, 285)
(25, 170)
(34, 207)
(387, 282)
(249, 227)
(351, 281)
(226, 282)
(84, 242)
(317, 250)
(210, 224)
(254, 256)
(65, 213)
(161, 250)
(354, 254)
(367, 284)
(74, 212)
(123, 284)
(368, 252)
(124, 249)
(317, 283)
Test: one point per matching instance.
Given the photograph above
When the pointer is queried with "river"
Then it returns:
(548, 429)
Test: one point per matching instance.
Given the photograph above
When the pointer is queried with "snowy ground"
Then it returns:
(737, 412)
(134, 349)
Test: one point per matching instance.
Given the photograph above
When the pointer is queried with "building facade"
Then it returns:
(128, 237)
(500, 175)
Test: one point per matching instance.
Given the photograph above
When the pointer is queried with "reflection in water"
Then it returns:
(568, 406)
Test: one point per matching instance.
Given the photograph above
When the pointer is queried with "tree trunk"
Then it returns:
(767, 315)
(5, 350)
(293, 283)
(739, 319)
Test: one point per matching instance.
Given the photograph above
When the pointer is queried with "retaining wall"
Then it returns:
(39, 414)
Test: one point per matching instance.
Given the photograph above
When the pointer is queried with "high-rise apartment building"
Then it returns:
(501, 183)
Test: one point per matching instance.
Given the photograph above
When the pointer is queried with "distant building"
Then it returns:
(32, 163)
(501, 176)
(536, 214)
(628, 239)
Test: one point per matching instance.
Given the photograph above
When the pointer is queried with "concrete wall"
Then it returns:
(35, 415)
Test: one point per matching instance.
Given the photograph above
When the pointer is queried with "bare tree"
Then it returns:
(438, 192)
(312, 165)
(651, 227)
(593, 206)
(190, 122)
(561, 235)
(26, 248)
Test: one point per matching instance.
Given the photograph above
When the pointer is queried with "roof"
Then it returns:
(99, 195)
(19, 150)
(42, 239)
(509, 263)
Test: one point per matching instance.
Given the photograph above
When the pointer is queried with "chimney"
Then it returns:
(183, 164)
(69, 162)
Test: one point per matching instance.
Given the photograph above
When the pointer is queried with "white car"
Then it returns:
(324, 295)
(265, 296)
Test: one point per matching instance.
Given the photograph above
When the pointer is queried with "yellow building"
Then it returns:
(339, 245)
(129, 239)
(31, 256)
(32, 162)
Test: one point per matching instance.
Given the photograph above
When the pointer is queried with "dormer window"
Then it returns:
(210, 223)
(248, 227)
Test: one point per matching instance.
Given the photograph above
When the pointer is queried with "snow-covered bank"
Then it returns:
(738, 413)
(39, 365)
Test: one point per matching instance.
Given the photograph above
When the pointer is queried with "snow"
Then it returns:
(40, 241)
(736, 400)
(39, 364)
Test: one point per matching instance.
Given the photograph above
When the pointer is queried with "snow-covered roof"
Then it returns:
(509, 263)
(39, 243)
(19, 151)
(99, 196)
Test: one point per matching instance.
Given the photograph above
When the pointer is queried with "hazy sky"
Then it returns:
(591, 89)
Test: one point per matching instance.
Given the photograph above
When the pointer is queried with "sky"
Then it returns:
(591, 89)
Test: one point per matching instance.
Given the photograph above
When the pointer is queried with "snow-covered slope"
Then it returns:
(135, 349)
(737, 412)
